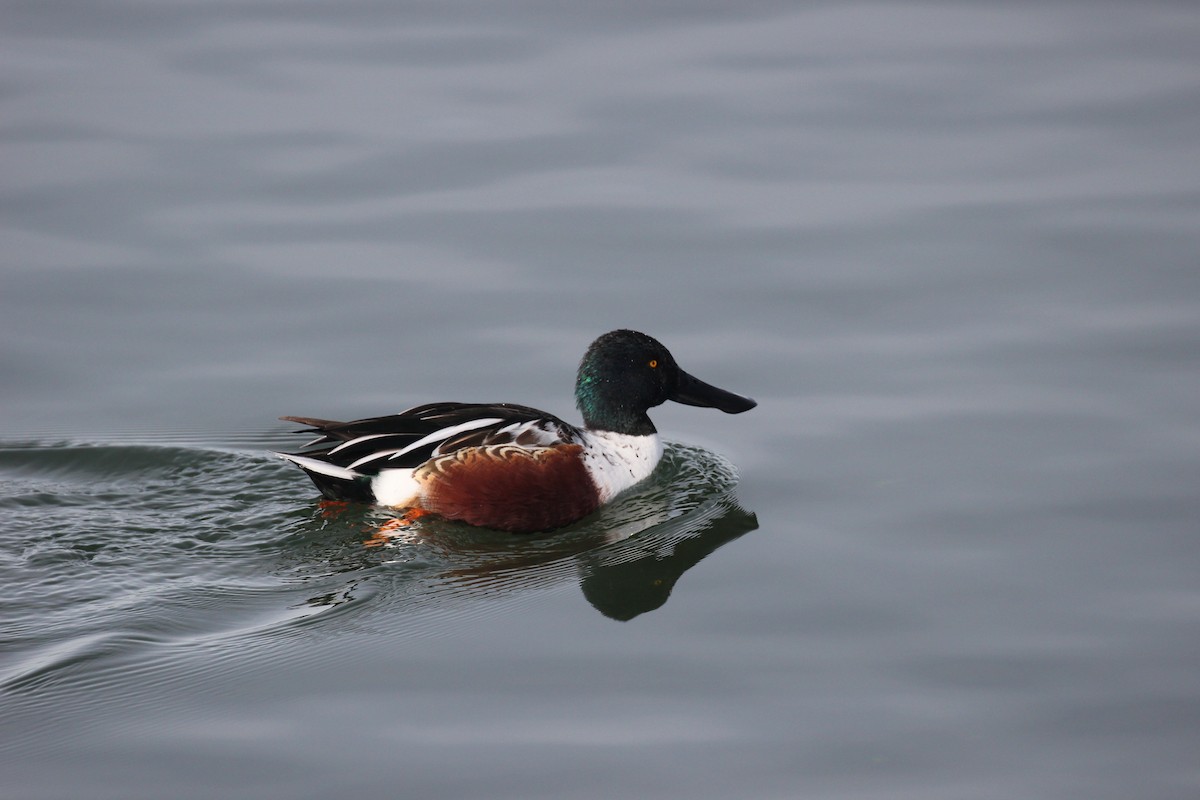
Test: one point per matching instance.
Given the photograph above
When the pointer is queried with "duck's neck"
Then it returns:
(601, 413)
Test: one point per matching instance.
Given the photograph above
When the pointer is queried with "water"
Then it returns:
(951, 251)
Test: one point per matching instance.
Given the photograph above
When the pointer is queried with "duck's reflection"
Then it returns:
(621, 578)
(624, 589)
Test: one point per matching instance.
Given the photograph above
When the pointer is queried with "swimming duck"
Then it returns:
(510, 467)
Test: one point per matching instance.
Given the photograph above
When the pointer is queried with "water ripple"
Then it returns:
(125, 562)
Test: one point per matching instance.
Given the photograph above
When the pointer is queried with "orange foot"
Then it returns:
(414, 514)
(394, 526)
(377, 540)
(331, 508)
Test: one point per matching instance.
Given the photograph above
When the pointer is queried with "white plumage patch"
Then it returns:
(352, 442)
(617, 461)
(321, 467)
(395, 487)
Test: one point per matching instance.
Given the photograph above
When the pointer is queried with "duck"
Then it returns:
(510, 467)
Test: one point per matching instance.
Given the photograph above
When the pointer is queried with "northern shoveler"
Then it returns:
(512, 467)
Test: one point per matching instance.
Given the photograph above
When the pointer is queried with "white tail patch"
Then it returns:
(396, 487)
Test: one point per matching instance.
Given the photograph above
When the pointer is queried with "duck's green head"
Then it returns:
(624, 373)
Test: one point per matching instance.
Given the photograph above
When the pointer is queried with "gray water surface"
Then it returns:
(951, 249)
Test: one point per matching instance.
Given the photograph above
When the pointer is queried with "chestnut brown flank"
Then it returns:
(510, 488)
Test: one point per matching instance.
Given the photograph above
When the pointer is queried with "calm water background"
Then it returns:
(952, 249)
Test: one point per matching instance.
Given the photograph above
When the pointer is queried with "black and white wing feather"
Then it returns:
(410, 438)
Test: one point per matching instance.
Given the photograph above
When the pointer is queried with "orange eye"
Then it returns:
(653, 363)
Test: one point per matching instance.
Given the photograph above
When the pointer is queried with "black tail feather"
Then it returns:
(356, 490)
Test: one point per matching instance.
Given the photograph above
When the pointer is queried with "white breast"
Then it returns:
(617, 461)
